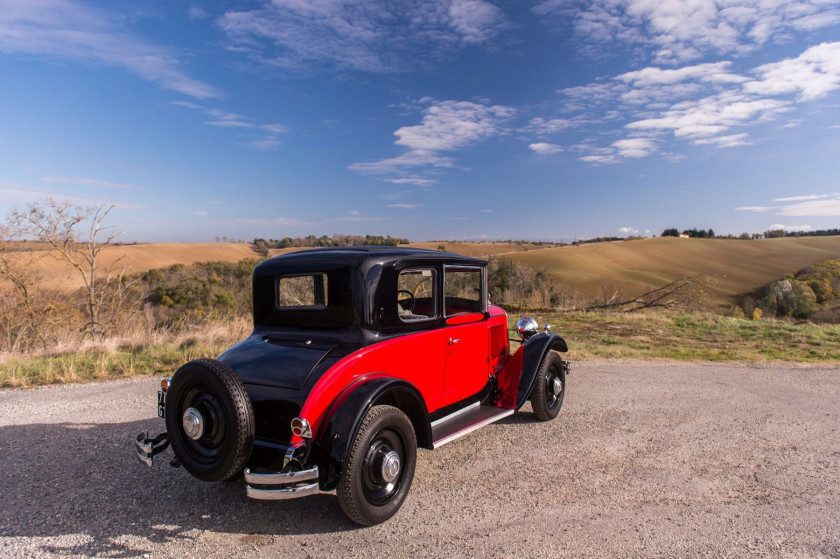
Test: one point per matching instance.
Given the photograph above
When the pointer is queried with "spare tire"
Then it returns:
(210, 420)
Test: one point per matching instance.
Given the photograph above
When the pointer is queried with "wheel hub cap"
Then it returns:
(390, 466)
(193, 423)
(556, 386)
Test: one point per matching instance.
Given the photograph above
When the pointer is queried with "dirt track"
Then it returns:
(645, 460)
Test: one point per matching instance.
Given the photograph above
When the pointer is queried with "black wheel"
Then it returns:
(549, 388)
(210, 420)
(379, 468)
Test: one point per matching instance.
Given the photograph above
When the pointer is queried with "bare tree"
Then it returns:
(16, 268)
(58, 224)
(689, 293)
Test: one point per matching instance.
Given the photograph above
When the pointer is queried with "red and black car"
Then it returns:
(358, 356)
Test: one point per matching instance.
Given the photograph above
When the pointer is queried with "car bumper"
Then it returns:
(282, 486)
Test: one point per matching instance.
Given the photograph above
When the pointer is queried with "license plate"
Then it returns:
(161, 404)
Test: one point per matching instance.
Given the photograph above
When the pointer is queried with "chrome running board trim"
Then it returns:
(484, 417)
(455, 414)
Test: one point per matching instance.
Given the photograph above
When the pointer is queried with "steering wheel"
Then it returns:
(423, 287)
(410, 300)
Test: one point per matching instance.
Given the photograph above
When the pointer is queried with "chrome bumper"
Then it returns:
(276, 487)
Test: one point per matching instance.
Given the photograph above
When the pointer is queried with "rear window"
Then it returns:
(305, 292)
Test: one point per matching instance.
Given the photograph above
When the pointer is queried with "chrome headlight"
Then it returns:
(526, 327)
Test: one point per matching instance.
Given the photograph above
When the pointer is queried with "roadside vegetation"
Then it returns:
(123, 324)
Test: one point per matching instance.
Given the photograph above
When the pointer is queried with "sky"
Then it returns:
(446, 119)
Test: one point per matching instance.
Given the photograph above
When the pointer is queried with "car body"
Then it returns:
(358, 355)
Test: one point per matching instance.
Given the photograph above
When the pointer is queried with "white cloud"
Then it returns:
(357, 219)
(543, 148)
(808, 205)
(405, 206)
(224, 119)
(197, 12)
(18, 193)
(715, 72)
(755, 209)
(199, 213)
(701, 103)
(635, 147)
(819, 208)
(803, 197)
(277, 221)
(711, 115)
(82, 181)
(725, 141)
(679, 30)
(790, 228)
(812, 75)
(69, 30)
(548, 126)
(368, 35)
(628, 230)
(446, 126)
(417, 181)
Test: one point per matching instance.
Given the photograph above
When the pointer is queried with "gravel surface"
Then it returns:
(645, 460)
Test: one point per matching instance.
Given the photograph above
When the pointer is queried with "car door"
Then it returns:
(467, 336)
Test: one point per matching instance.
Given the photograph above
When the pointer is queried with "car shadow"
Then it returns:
(84, 479)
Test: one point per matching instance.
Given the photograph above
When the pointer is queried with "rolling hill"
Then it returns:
(737, 266)
(635, 266)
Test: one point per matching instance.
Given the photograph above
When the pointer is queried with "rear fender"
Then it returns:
(349, 410)
(533, 352)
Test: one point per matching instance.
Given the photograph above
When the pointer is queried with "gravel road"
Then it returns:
(645, 460)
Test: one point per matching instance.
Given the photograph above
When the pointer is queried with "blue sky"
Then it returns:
(458, 119)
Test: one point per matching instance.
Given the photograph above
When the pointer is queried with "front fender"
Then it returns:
(349, 410)
(533, 352)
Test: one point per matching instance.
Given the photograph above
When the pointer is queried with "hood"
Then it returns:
(276, 362)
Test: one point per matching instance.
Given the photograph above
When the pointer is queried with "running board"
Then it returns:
(464, 421)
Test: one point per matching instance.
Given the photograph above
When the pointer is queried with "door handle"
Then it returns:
(455, 341)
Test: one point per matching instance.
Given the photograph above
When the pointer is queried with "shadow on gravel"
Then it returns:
(84, 480)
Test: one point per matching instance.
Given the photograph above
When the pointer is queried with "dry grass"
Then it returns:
(160, 352)
(636, 266)
(143, 257)
(645, 335)
(691, 337)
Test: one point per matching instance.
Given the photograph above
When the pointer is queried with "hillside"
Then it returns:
(737, 266)
(142, 257)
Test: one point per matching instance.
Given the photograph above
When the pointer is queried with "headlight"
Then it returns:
(526, 327)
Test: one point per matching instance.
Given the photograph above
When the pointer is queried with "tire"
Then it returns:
(365, 493)
(551, 376)
(220, 447)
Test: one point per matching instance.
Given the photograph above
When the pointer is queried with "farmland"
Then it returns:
(736, 266)
(634, 266)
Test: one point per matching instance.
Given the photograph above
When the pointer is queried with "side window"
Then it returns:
(302, 292)
(462, 290)
(416, 295)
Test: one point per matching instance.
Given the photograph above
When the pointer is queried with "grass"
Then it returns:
(692, 337)
(160, 353)
(647, 335)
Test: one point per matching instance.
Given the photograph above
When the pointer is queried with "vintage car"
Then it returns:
(358, 356)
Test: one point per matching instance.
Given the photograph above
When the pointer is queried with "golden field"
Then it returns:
(736, 266)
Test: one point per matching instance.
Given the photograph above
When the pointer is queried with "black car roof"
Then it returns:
(359, 255)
